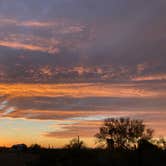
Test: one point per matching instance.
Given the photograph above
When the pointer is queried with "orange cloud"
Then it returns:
(58, 29)
(17, 45)
(70, 123)
(21, 46)
(77, 90)
(36, 24)
(150, 77)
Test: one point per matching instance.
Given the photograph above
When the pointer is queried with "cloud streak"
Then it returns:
(78, 107)
(26, 47)
(79, 90)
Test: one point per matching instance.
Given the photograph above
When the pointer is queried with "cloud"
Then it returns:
(111, 49)
(36, 24)
(3, 104)
(80, 90)
(26, 46)
(8, 111)
(88, 126)
(79, 106)
(109, 61)
(59, 101)
(39, 37)
(151, 77)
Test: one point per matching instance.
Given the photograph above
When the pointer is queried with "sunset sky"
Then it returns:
(65, 65)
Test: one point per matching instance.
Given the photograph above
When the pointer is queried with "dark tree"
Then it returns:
(35, 147)
(19, 147)
(123, 132)
(75, 143)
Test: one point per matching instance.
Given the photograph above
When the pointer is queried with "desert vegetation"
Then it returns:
(120, 142)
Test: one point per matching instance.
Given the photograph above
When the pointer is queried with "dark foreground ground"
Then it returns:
(85, 157)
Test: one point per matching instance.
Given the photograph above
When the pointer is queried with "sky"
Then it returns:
(66, 65)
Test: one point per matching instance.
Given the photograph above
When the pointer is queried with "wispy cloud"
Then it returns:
(78, 90)
(3, 104)
(76, 105)
(8, 111)
(152, 77)
(17, 45)
(87, 126)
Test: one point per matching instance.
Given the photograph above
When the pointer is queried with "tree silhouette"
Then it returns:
(35, 147)
(123, 132)
(75, 143)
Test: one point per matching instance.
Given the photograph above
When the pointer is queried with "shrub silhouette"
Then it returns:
(144, 144)
(123, 132)
(35, 147)
(75, 143)
(19, 147)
